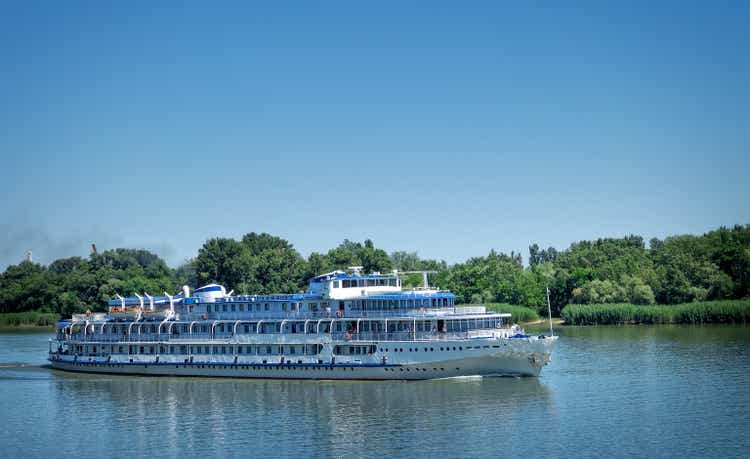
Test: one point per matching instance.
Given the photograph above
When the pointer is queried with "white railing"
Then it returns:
(92, 317)
(350, 314)
(283, 338)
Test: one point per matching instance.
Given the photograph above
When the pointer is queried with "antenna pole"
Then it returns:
(549, 310)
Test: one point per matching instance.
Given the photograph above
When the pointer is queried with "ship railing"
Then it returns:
(401, 336)
(252, 337)
(115, 339)
(133, 338)
(418, 312)
(353, 314)
(91, 317)
(255, 316)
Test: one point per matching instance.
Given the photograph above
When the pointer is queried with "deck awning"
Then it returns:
(63, 324)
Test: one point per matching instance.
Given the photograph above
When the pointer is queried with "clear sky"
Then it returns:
(446, 128)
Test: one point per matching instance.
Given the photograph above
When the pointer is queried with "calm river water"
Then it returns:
(610, 391)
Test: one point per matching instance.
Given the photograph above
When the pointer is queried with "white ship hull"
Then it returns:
(505, 357)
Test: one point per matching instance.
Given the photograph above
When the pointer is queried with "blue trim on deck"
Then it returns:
(209, 288)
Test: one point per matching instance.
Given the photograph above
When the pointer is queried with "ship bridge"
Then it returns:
(338, 285)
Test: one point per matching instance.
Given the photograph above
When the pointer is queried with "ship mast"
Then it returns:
(549, 310)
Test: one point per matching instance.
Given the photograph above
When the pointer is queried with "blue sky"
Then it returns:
(446, 128)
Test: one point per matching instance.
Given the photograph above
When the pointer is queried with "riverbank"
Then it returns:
(706, 312)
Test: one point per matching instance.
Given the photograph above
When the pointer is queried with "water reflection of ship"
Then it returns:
(338, 413)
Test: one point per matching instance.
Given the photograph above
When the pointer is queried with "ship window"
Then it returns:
(265, 306)
(283, 306)
(335, 284)
(224, 307)
(242, 308)
(234, 308)
(216, 308)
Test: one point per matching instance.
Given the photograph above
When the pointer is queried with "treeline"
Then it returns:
(678, 269)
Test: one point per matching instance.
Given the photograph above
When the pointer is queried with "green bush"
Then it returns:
(734, 312)
(518, 313)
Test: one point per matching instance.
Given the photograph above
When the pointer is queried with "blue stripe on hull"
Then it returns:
(230, 365)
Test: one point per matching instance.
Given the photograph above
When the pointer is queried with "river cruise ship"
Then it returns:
(346, 325)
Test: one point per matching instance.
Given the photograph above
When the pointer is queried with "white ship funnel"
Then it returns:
(209, 293)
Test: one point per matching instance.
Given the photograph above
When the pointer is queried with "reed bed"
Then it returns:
(707, 312)
(28, 318)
